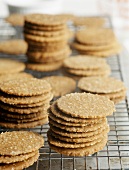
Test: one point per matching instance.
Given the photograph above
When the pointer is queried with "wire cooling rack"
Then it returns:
(115, 155)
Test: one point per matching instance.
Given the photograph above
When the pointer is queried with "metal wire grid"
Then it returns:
(115, 155)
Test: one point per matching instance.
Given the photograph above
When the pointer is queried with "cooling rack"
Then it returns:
(115, 155)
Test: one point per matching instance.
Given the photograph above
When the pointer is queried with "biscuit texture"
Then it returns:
(70, 103)
(10, 66)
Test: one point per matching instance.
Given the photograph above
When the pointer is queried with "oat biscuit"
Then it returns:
(40, 55)
(68, 118)
(81, 151)
(24, 110)
(104, 71)
(44, 67)
(87, 128)
(17, 158)
(61, 85)
(106, 86)
(25, 87)
(21, 164)
(60, 143)
(45, 28)
(24, 125)
(14, 46)
(24, 120)
(15, 19)
(29, 37)
(84, 62)
(44, 20)
(105, 53)
(47, 60)
(67, 123)
(14, 115)
(45, 33)
(101, 84)
(70, 103)
(14, 76)
(13, 100)
(19, 142)
(93, 22)
(10, 66)
(80, 139)
(95, 36)
(65, 133)
(91, 48)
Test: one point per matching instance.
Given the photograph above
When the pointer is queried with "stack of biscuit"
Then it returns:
(106, 86)
(19, 149)
(83, 66)
(78, 124)
(97, 42)
(24, 102)
(47, 38)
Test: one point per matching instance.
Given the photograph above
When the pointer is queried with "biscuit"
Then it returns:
(105, 71)
(66, 50)
(87, 128)
(68, 118)
(17, 158)
(67, 123)
(44, 20)
(65, 133)
(60, 143)
(30, 100)
(105, 53)
(44, 33)
(106, 86)
(30, 37)
(46, 67)
(84, 63)
(95, 36)
(19, 142)
(10, 66)
(70, 103)
(15, 19)
(45, 28)
(48, 45)
(94, 22)
(25, 110)
(23, 120)
(80, 139)
(14, 76)
(24, 125)
(47, 60)
(14, 115)
(61, 85)
(9, 46)
(101, 84)
(20, 165)
(25, 87)
(91, 48)
(85, 151)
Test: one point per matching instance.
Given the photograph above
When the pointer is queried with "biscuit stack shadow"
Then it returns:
(78, 124)
(24, 102)
(97, 42)
(19, 149)
(47, 38)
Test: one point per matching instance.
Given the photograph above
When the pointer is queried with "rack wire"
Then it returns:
(115, 154)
